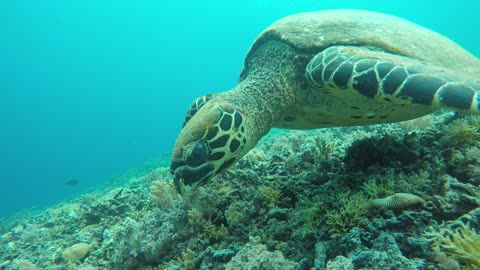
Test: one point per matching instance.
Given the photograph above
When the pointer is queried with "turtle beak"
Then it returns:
(191, 168)
(188, 178)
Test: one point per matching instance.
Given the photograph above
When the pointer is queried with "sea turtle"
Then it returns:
(325, 69)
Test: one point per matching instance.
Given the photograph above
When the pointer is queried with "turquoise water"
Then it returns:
(89, 89)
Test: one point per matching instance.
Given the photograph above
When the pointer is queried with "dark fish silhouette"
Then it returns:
(72, 181)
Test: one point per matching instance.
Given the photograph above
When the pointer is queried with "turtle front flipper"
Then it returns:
(197, 104)
(384, 87)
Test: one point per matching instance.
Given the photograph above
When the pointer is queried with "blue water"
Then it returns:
(91, 88)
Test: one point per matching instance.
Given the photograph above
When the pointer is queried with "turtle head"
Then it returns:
(213, 137)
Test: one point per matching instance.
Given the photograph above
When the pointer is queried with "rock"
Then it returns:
(320, 255)
(10, 247)
(340, 263)
(278, 213)
(18, 229)
(76, 252)
(7, 237)
(376, 251)
(223, 255)
(90, 233)
(23, 264)
(4, 264)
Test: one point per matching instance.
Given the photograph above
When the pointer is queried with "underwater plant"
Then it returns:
(462, 132)
(307, 218)
(375, 190)
(325, 147)
(461, 243)
(271, 195)
(341, 220)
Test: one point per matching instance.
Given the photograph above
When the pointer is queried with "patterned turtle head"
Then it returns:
(213, 137)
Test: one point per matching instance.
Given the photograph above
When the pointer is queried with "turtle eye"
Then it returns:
(196, 153)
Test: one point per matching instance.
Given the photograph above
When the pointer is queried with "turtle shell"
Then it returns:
(312, 32)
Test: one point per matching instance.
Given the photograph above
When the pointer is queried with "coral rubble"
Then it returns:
(395, 196)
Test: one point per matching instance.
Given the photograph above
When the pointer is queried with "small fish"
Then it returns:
(72, 181)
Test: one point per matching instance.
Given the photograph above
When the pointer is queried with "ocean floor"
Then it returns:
(396, 196)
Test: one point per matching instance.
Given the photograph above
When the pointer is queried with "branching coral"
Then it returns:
(238, 212)
(255, 255)
(187, 260)
(163, 194)
(205, 226)
(461, 243)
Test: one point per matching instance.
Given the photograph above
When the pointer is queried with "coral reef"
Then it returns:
(395, 196)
